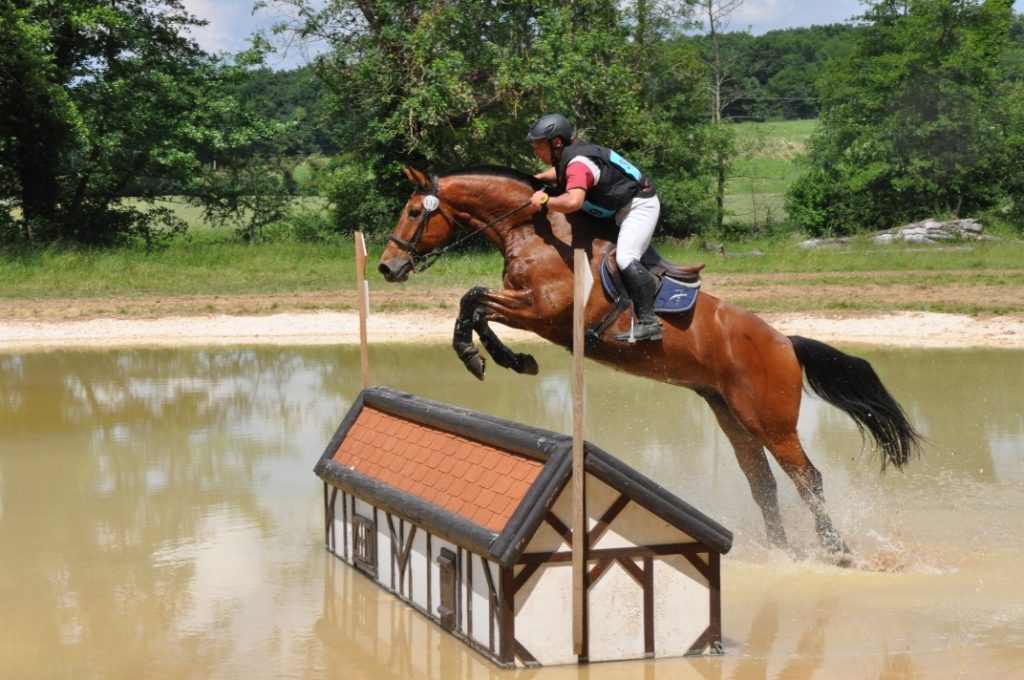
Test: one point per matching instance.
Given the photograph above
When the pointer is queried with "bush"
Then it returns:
(310, 225)
(354, 192)
(813, 206)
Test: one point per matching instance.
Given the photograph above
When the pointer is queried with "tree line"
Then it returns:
(920, 103)
(776, 76)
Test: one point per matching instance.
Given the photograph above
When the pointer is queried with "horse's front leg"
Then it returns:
(473, 314)
(499, 351)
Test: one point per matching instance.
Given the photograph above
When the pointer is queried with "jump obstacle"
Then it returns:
(465, 517)
(471, 520)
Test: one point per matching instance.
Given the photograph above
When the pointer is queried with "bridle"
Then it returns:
(432, 204)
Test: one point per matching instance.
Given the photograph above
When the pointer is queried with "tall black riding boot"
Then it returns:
(641, 286)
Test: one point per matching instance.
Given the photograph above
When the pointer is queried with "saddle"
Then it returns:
(677, 290)
(659, 266)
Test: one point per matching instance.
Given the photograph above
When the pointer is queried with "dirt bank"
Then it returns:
(906, 329)
(329, 317)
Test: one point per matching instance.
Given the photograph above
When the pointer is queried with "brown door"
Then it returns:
(449, 588)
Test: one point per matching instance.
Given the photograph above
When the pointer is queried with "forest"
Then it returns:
(105, 110)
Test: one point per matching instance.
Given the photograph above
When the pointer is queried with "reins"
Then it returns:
(421, 263)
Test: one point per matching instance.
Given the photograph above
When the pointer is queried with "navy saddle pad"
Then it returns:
(674, 297)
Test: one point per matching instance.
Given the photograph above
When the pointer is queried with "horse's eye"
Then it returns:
(415, 212)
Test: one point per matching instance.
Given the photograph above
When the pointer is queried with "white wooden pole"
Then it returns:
(582, 282)
(363, 298)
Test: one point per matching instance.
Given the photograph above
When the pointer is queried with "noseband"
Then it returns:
(431, 203)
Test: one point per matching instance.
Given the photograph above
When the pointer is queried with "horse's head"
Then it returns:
(422, 227)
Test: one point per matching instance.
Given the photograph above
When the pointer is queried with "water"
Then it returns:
(159, 518)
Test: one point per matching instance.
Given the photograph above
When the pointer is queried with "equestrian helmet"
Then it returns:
(549, 127)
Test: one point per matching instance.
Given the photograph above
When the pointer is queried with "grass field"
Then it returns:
(764, 169)
(213, 262)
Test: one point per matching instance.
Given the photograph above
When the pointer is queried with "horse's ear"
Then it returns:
(417, 177)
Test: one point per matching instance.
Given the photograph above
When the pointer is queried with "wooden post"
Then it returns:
(583, 280)
(363, 297)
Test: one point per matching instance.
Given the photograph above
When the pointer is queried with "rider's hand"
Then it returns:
(539, 198)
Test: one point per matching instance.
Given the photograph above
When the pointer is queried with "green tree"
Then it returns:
(726, 85)
(682, 152)
(915, 122)
(99, 101)
(295, 98)
(449, 84)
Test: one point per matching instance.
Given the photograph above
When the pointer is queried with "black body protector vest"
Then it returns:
(619, 183)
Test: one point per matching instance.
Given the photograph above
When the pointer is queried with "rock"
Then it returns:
(932, 231)
(826, 242)
(925, 232)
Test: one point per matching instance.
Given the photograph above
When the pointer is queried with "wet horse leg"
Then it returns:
(752, 460)
(771, 419)
(499, 351)
(473, 316)
(794, 461)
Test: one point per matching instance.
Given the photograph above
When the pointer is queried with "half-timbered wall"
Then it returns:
(389, 634)
(407, 564)
(653, 589)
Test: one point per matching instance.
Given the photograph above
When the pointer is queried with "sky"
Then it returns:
(232, 21)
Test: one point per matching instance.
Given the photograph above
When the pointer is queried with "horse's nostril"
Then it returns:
(386, 271)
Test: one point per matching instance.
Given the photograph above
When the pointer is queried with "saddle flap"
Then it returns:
(675, 293)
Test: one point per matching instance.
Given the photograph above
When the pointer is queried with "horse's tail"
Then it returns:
(851, 384)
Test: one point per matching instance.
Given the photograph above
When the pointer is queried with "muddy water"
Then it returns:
(159, 518)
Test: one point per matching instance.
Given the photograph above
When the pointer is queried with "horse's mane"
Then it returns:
(499, 171)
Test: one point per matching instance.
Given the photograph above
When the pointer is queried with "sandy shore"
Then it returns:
(901, 329)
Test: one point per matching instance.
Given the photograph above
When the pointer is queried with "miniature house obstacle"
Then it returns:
(465, 517)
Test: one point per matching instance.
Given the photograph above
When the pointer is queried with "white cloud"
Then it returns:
(760, 16)
(230, 24)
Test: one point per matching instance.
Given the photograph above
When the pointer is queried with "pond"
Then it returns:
(159, 517)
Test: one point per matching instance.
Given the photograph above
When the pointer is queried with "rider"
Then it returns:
(602, 183)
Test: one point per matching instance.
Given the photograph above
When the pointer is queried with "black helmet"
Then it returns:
(549, 127)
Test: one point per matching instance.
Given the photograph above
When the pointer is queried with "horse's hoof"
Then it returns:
(842, 558)
(796, 553)
(838, 553)
(477, 366)
(528, 365)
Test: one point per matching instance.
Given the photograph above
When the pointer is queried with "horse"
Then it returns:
(749, 373)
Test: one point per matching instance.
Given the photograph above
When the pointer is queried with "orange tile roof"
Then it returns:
(476, 481)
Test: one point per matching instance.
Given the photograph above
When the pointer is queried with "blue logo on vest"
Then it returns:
(624, 165)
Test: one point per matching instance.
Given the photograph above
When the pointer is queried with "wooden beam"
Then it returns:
(363, 297)
(581, 291)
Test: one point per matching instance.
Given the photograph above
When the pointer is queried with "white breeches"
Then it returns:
(636, 228)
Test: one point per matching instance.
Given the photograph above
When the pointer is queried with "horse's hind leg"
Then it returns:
(791, 457)
(772, 421)
(754, 464)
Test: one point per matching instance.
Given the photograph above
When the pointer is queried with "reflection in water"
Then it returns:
(159, 517)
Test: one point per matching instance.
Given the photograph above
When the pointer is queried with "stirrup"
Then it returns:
(640, 331)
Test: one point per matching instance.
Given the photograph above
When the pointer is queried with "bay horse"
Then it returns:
(750, 374)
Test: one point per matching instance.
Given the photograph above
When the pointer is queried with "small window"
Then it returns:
(364, 544)
(449, 588)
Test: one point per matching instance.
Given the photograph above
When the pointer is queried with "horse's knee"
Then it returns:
(469, 314)
(471, 299)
